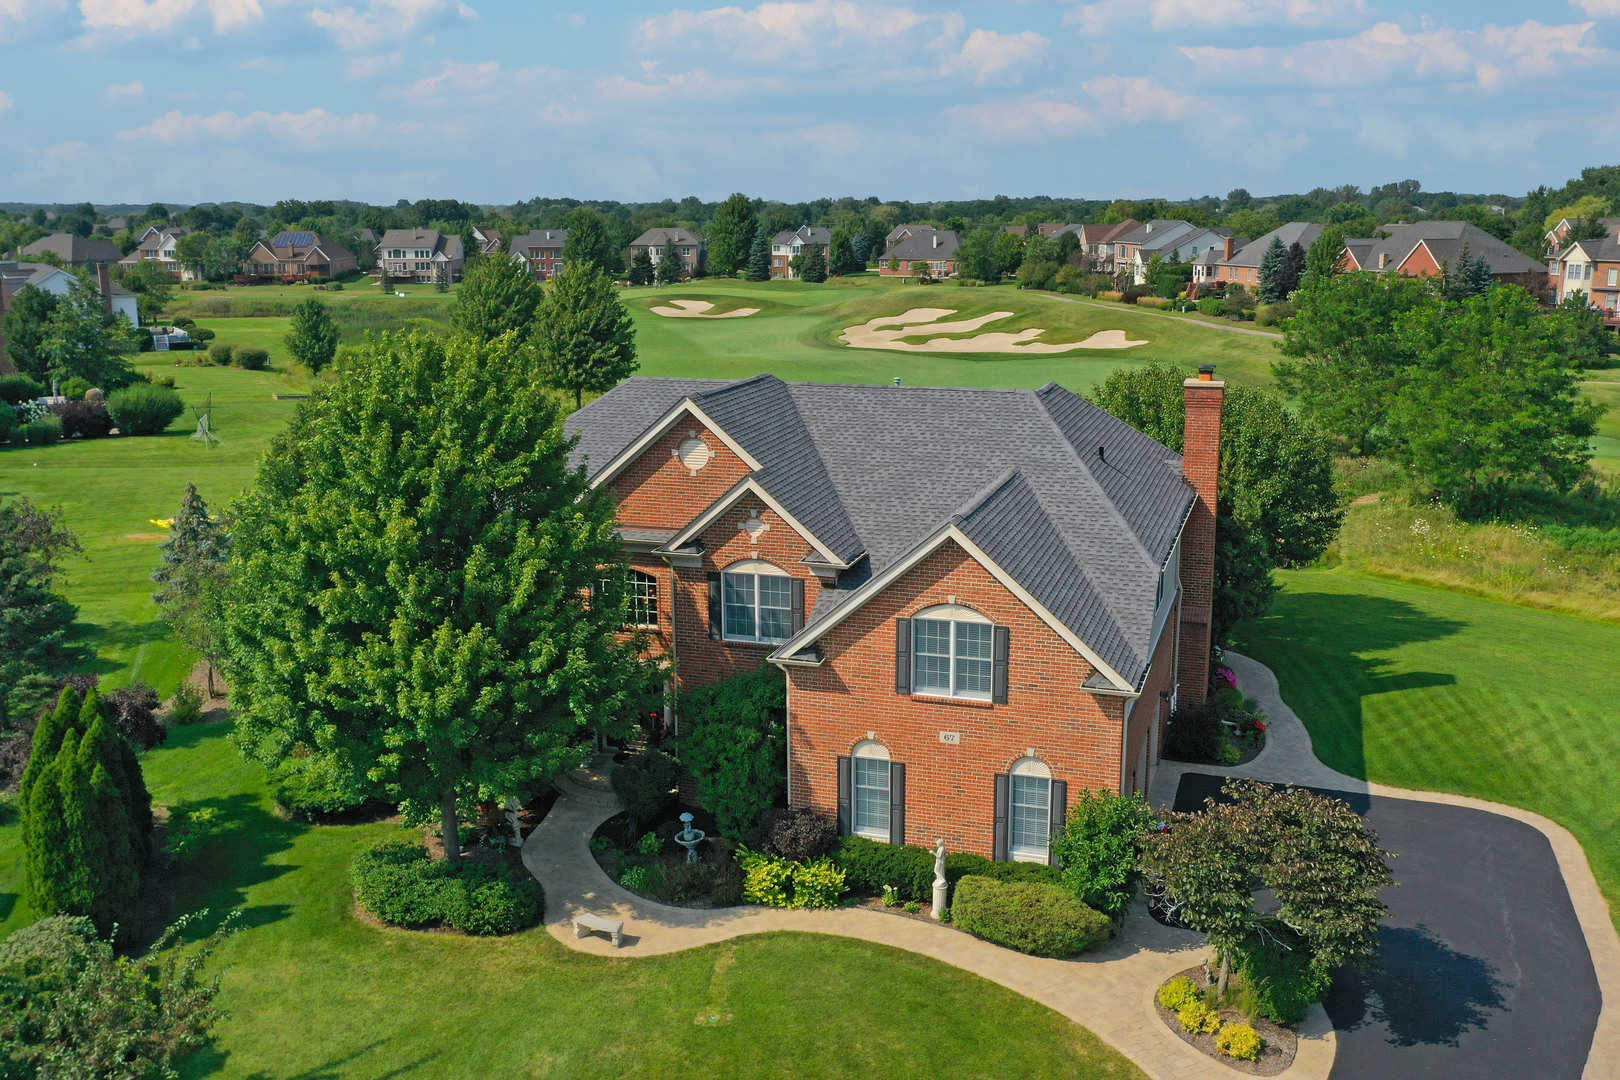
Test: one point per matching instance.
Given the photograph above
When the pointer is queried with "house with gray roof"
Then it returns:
(1429, 247)
(920, 244)
(73, 250)
(786, 245)
(1243, 266)
(982, 599)
(295, 255)
(420, 255)
(676, 243)
(1591, 269)
(541, 251)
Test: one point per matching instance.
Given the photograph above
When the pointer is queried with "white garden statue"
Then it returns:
(940, 886)
(512, 816)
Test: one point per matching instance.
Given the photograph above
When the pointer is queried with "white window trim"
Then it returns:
(955, 615)
(1028, 767)
(756, 569)
(869, 750)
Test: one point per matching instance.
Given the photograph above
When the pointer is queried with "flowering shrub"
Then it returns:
(1226, 678)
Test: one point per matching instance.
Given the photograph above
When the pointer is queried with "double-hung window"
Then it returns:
(1029, 818)
(756, 603)
(952, 650)
(643, 599)
(870, 791)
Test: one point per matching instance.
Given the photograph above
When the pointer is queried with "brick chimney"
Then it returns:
(104, 283)
(1201, 464)
(1231, 248)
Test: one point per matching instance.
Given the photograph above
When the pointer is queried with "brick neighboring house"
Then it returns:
(487, 239)
(1424, 248)
(417, 254)
(921, 243)
(785, 245)
(983, 600)
(297, 256)
(73, 250)
(1133, 249)
(157, 244)
(1097, 241)
(541, 251)
(1589, 268)
(1557, 238)
(1045, 229)
(1243, 265)
(687, 246)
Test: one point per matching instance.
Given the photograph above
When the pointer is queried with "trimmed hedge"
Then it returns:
(397, 883)
(868, 865)
(144, 409)
(1029, 916)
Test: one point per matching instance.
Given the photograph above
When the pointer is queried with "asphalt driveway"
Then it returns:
(1486, 972)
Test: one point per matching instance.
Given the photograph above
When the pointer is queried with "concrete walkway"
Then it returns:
(1288, 758)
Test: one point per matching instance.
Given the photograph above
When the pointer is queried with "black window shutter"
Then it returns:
(798, 604)
(998, 667)
(844, 817)
(897, 803)
(902, 656)
(714, 607)
(1060, 813)
(998, 849)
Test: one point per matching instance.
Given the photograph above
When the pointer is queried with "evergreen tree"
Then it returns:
(1476, 277)
(53, 727)
(641, 268)
(730, 234)
(441, 277)
(759, 255)
(841, 253)
(48, 856)
(813, 264)
(497, 296)
(1271, 269)
(313, 337)
(34, 619)
(1292, 270)
(191, 580)
(587, 341)
(473, 541)
(113, 844)
(667, 270)
(861, 250)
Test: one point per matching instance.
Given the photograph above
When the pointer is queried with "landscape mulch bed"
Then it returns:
(1278, 1043)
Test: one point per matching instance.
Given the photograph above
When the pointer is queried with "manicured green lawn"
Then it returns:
(1423, 688)
(110, 490)
(314, 992)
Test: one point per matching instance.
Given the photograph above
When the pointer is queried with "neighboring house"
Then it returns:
(368, 238)
(297, 256)
(488, 240)
(1243, 266)
(1206, 267)
(73, 250)
(1044, 229)
(1189, 246)
(1097, 241)
(541, 251)
(984, 601)
(1589, 268)
(785, 245)
(1133, 249)
(912, 244)
(1557, 237)
(58, 281)
(157, 244)
(1428, 246)
(417, 254)
(687, 246)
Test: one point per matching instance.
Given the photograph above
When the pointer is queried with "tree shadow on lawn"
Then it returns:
(219, 874)
(1427, 993)
(211, 1060)
(123, 635)
(1321, 645)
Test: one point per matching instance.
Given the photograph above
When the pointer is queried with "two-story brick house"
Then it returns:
(983, 600)
(541, 251)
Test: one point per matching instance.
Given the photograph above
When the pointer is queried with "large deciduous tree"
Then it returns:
(28, 314)
(587, 341)
(731, 232)
(83, 341)
(413, 574)
(192, 579)
(313, 337)
(498, 296)
(589, 241)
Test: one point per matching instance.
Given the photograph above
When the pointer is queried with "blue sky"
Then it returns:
(497, 100)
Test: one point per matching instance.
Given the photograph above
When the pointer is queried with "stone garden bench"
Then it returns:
(585, 922)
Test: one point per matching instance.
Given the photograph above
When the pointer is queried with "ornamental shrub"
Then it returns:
(144, 409)
(16, 389)
(1178, 992)
(1198, 1019)
(252, 358)
(766, 878)
(1031, 917)
(645, 785)
(870, 865)
(1212, 305)
(1239, 1041)
(1194, 732)
(222, 355)
(8, 422)
(185, 707)
(42, 431)
(88, 419)
(736, 746)
(817, 884)
(73, 389)
(132, 710)
(1098, 849)
(397, 883)
(486, 900)
(796, 833)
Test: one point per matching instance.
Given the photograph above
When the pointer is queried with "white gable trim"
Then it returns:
(816, 631)
(748, 485)
(659, 429)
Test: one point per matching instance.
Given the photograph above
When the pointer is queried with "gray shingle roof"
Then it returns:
(809, 234)
(1302, 232)
(1445, 239)
(921, 244)
(542, 239)
(879, 470)
(1154, 230)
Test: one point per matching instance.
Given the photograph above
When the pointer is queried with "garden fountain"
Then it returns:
(689, 838)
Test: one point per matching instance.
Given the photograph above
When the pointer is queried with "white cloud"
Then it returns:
(131, 18)
(1100, 17)
(1599, 9)
(696, 85)
(1031, 118)
(1384, 134)
(990, 56)
(1490, 58)
(315, 127)
(803, 33)
(6, 102)
(385, 20)
(119, 91)
(1138, 99)
(364, 67)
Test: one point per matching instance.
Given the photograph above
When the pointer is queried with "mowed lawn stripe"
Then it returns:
(1423, 688)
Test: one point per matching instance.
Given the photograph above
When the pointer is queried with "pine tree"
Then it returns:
(191, 581)
(313, 336)
(1477, 279)
(641, 268)
(814, 267)
(1293, 269)
(114, 845)
(1271, 265)
(668, 269)
(841, 253)
(759, 255)
(441, 277)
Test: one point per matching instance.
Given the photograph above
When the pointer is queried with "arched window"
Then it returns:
(870, 790)
(1029, 824)
(756, 602)
(643, 599)
(952, 649)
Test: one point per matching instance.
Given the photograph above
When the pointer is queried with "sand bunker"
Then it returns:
(873, 335)
(699, 309)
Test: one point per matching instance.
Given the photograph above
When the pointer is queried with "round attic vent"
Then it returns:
(694, 454)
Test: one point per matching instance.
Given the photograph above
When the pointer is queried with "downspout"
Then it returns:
(1125, 742)
(787, 735)
(672, 715)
